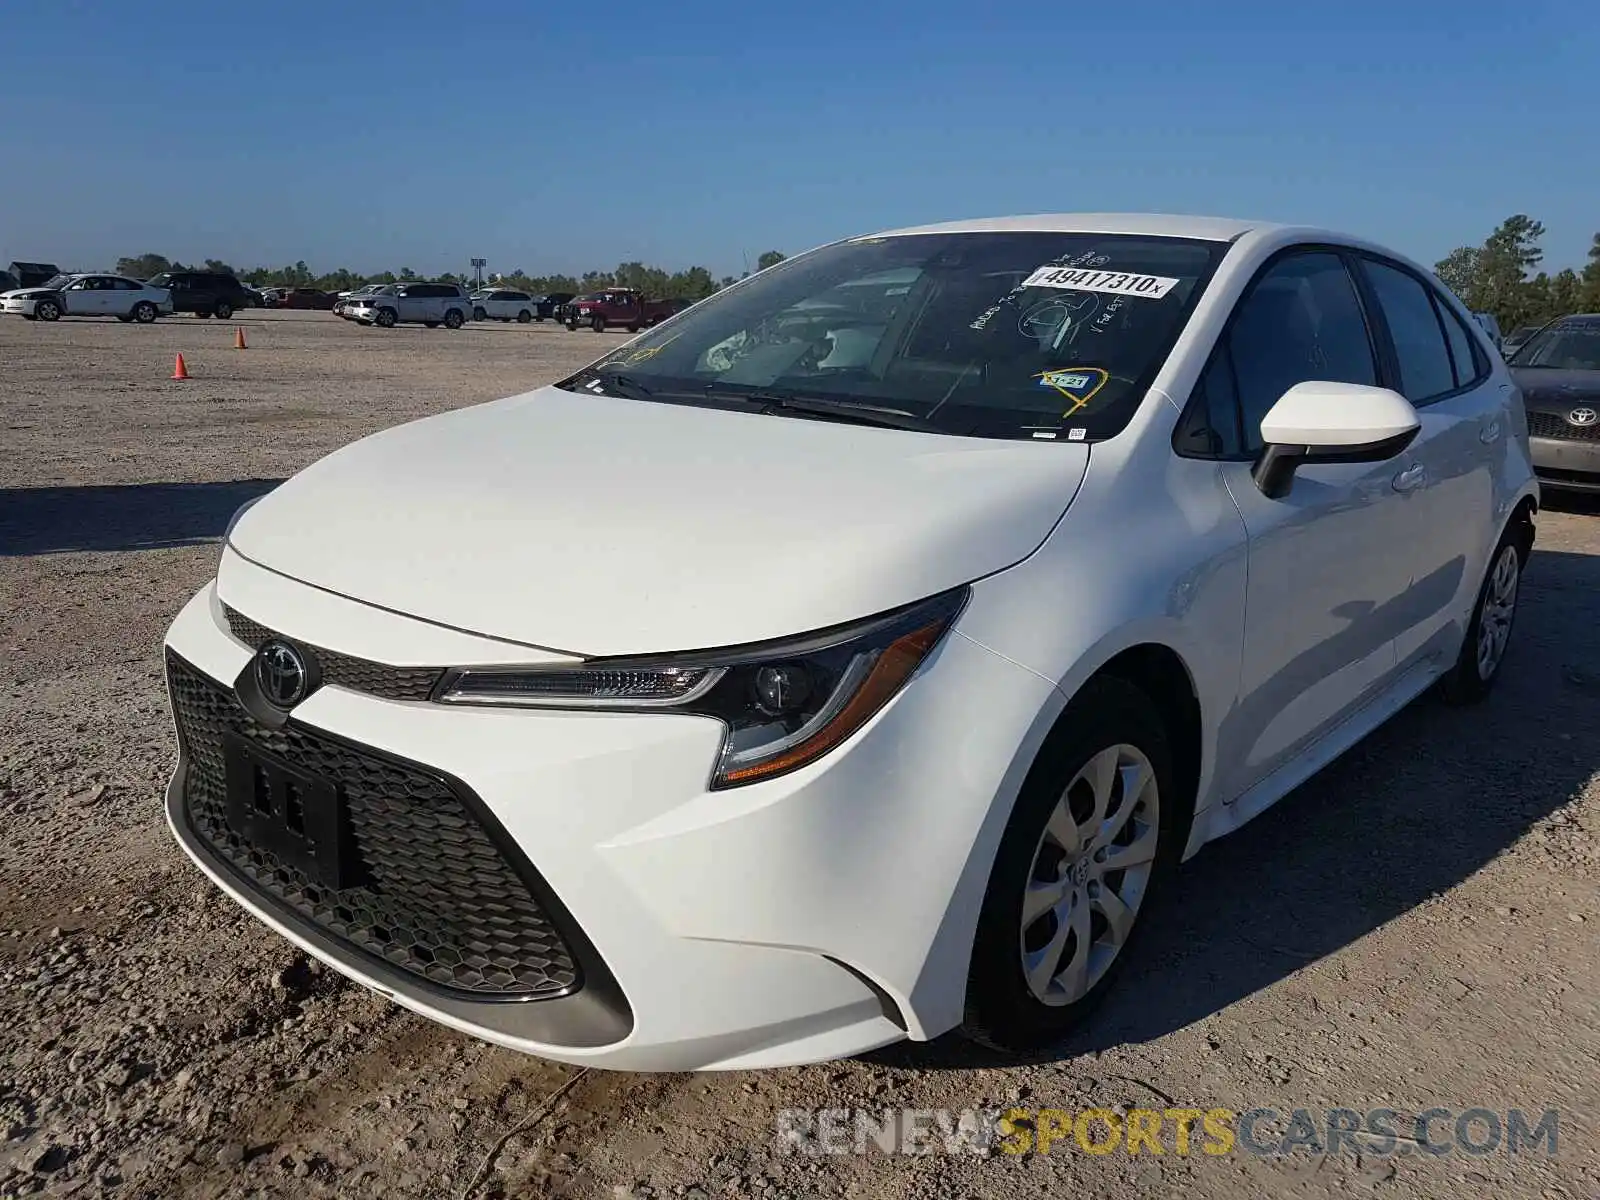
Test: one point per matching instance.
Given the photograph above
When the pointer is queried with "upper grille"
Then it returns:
(341, 670)
(1553, 425)
(432, 895)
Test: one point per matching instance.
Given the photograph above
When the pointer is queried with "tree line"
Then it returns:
(695, 283)
(1499, 277)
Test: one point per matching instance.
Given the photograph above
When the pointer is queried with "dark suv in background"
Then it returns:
(204, 293)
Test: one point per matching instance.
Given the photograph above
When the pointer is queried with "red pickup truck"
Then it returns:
(618, 306)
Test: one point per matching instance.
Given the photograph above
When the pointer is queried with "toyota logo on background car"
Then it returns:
(281, 674)
(1583, 416)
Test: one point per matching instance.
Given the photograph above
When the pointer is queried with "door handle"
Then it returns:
(1490, 432)
(1411, 478)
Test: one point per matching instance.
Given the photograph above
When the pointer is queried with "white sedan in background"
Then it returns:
(737, 703)
(89, 295)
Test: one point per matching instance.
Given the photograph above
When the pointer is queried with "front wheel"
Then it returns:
(1097, 829)
(144, 312)
(47, 310)
(479, 314)
(572, 324)
(1489, 632)
(598, 324)
(453, 319)
(385, 318)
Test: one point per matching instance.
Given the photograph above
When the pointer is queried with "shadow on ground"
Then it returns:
(1418, 807)
(137, 516)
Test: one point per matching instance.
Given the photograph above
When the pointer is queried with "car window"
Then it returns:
(1469, 361)
(1004, 333)
(1419, 340)
(1302, 320)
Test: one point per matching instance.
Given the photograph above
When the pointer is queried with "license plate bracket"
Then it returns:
(295, 815)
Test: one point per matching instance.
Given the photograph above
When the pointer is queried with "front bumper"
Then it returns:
(809, 917)
(1566, 462)
(21, 307)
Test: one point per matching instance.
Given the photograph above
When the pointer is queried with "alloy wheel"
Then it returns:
(1090, 873)
(1499, 607)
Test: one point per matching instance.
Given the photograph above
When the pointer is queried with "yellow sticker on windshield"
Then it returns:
(1078, 384)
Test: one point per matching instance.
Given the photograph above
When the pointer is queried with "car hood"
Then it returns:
(598, 525)
(1556, 390)
(25, 293)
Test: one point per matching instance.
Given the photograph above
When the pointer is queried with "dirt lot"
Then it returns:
(1420, 927)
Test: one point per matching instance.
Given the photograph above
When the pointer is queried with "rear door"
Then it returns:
(1432, 360)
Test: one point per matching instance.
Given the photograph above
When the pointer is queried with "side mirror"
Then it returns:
(1324, 422)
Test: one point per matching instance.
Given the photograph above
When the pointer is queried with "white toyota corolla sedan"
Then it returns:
(854, 656)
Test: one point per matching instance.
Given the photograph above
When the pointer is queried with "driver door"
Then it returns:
(1330, 561)
(86, 297)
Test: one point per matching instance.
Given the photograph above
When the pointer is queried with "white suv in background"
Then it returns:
(503, 304)
(743, 701)
(430, 304)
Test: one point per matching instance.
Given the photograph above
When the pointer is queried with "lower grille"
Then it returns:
(431, 893)
(1552, 425)
(341, 670)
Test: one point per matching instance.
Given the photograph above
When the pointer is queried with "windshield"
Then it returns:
(58, 281)
(1007, 335)
(1563, 346)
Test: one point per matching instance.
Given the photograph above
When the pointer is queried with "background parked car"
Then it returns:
(1518, 338)
(619, 306)
(307, 298)
(1558, 373)
(89, 295)
(204, 293)
(1490, 325)
(341, 305)
(430, 304)
(550, 304)
(502, 304)
(33, 274)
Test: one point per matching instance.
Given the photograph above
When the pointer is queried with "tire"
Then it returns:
(1489, 632)
(1109, 717)
(453, 319)
(385, 318)
(598, 324)
(223, 310)
(572, 325)
(539, 317)
(634, 328)
(143, 312)
(479, 314)
(47, 310)
(524, 316)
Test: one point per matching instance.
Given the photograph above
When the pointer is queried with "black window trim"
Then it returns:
(1224, 344)
(1431, 290)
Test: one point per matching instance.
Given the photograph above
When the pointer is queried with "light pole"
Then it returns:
(477, 265)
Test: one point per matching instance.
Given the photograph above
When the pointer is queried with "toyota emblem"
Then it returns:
(1583, 416)
(281, 674)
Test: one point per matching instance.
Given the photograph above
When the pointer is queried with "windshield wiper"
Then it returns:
(610, 383)
(837, 410)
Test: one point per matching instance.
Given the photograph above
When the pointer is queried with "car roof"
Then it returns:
(1216, 229)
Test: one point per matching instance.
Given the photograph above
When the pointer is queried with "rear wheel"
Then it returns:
(1489, 632)
(144, 312)
(453, 319)
(224, 310)
(47, 310)
(524, 316)
(1095, 833)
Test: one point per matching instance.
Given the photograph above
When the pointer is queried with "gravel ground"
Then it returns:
(1416, 928)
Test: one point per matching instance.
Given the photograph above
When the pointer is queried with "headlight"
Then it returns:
(785, 704)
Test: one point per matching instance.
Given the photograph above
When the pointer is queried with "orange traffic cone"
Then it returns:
(179, 371)
(238, 339)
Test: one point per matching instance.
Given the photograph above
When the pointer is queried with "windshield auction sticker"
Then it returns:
(1077, 384)
(1120, 283)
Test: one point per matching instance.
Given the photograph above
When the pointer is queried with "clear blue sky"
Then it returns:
(553, 135)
